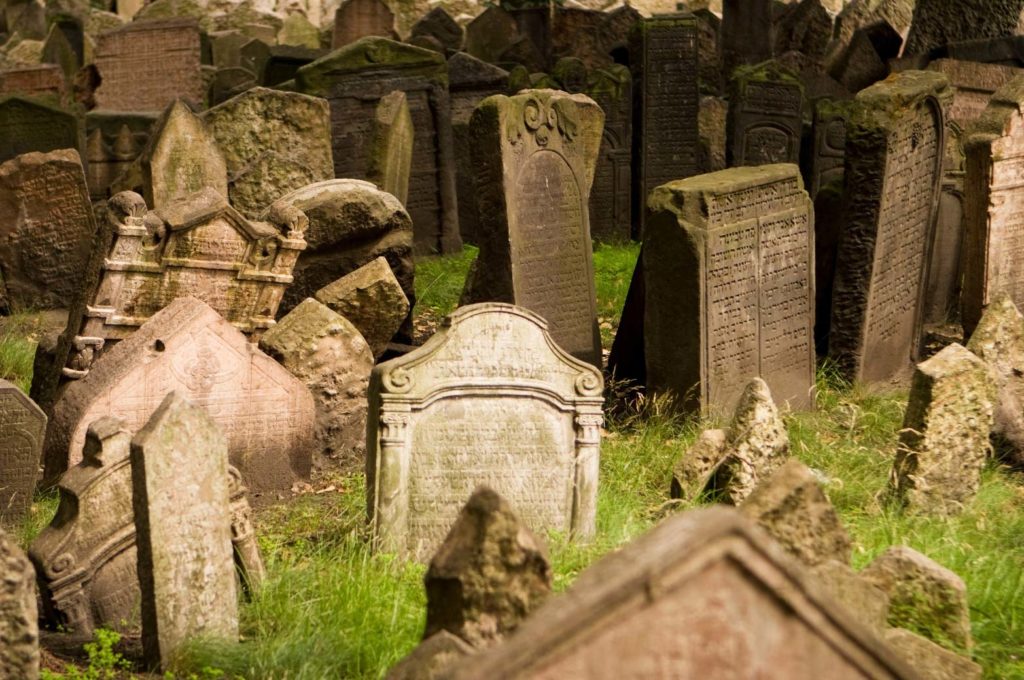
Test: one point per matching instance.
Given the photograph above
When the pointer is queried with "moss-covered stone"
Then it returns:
(370, 52)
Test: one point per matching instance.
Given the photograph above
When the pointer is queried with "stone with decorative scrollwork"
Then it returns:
(490, 399)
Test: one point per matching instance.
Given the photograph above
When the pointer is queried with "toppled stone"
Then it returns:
(488, 575)
(431, 658)
(372, 299)
(690, 475)
(931, 661)
(924, 596)
(19, 627)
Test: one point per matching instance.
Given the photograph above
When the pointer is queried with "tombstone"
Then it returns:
(611, 218)
(491, 34)
(146, 66)
(114, 142)
(490, 399)
(45, 81)
(390, 159)
(746, 36)
(929, 659)
(431, 658)
(266, 414)
(57, 50)
(728, 269)
(297, 30)
(940, 22)
(19, 626)
(248, 559)
(535, 155)
(712, 125)
(944, 440)
(829, 150)
(273, 142)
(181, 159)
(357, 19)
(993, 146)
(46, 229)
(866, 59)
(328, 354)
(894, 145)
(284, 61)
(765, 116)
(22, 427)
(805, 27)
(353, 79)
(665, 88)
(440, 25)
(704, 594)
(181, 499)
(599, 38)
(33, 125)
(470, 81)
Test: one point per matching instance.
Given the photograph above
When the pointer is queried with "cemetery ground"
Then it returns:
(332, 609)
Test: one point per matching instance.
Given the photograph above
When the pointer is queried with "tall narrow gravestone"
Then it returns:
(22, 426)
(490, 399)
(181, 158)
(894, 148)
(181, 499)
(610, 199)
(765, 116)
(994, 206)
(535, 155)
(728, 264)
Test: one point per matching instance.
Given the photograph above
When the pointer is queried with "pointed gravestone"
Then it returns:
(894, 150)
(22, 427)
(182, 510)
(181, 159)
(19, 622)
(535, 155)
(467, 409)
(390, 159)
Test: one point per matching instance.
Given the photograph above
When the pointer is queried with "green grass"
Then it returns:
(332, 609)
(17, 349)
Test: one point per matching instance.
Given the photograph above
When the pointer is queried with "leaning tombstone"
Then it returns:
(19, 621)
(22, 427)
(181, 158)
(47, 229)
(696, 595)
(390, 160)
(182, 508)
(894, 149)
(357, 19)
(535, 155)
(29, 124)
(266, 414)
(440, 25)
(765, 116)
(490, 399)
(728, 269)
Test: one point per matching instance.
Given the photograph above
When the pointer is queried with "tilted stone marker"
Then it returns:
(765, 116)
(357, 19)
(22, 428)
(266, 414)
(490, 399)
(894, 149)
(181, 159)
(728, 269)
(19, 623)
(704, 594)
(28, 124)
(390, 160)
(535, 155)
(944, 440)
(47, 229)
(181, 494)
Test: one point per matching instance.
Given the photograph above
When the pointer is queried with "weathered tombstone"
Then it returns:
(181, 158)
(431, 658)
(804, 26)
(46, 229)
(353, 79)
(712, 126)
(32, 125)
(746, 36)
(930, 660)
(22, 427)
(665, 88)
(611, 218)
(390, 159)
(829, 151)
(535, 155)
(944, 440)
(284, 61)
(440, 25)
(940, 22)
(490, 399)
(266, 414)
(181, 500)
(894, 148)
(44, 80)
(765, 116)
(297, 30)
(114, 141)
(273, 142)
(703, 595)
(19, 621)
(993, 240)
(866, 59)
(490, 34)
(147, 65)
(357, 19)
(57, 50)
(470, 81)
(729, 273)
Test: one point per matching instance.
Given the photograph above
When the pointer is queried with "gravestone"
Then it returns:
(611, 219)
(470, 81)
(993, 237)
(46, 229)
(58, 50)
(805, 27)
(145, 66)
(297, 30)
(712, 124)
(390, 160)
(535, 155)
(181, 158)
(600, 38)
(665, 88)
(44, 80)
(765, 116)
(490, 399)
(22, 427)
(704, 594)
(941, 22)
(355, 19)
(490, 34)
(181, 499)
(829, 151)
(729, 281)
(746, 36)
(894, 147)
(266, 414)
(273, 143)
(440, 25)
(114, 141)
(32, 125)
(284, 61)
(929, 659)
(353, 80)
(19, 623)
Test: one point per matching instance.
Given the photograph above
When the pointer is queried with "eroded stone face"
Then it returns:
(181, 159)
(390, 160)
(765, 116)
(22, 427)
(356, 19)
(19, 627)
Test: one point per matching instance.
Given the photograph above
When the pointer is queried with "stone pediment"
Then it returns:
(206, 206)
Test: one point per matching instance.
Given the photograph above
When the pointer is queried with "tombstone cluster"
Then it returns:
(227, 199)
